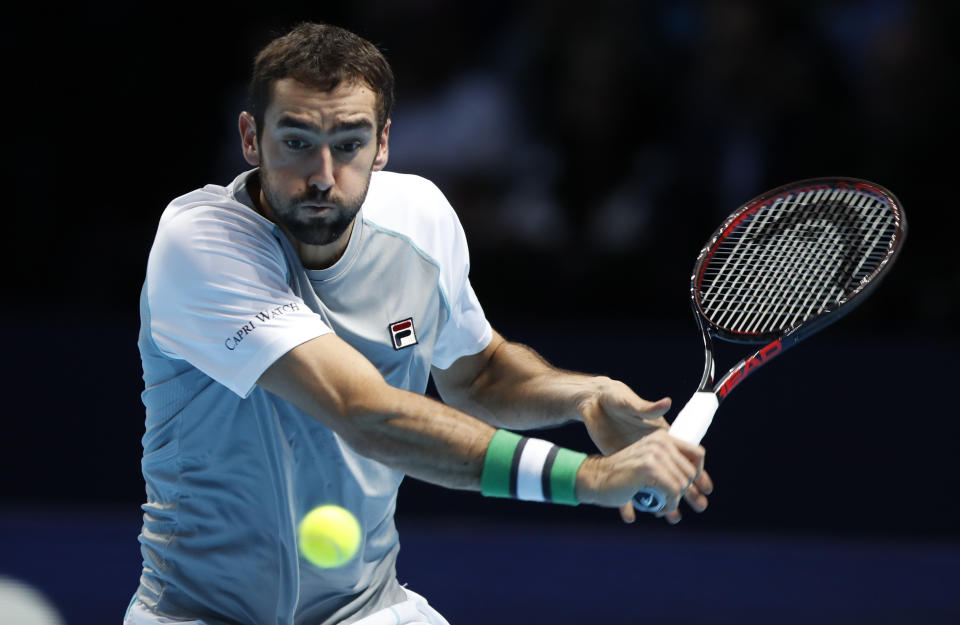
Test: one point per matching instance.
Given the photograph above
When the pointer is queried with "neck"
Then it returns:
(312, 256)
(319, 256)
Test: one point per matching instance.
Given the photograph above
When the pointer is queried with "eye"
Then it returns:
(348, 146)
(296, 144)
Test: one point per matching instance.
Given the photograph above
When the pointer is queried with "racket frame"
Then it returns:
(776, 342)
(779, 342)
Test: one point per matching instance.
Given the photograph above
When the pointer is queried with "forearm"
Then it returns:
(333, 383)
(406, 431)
(420, 437)
(508, 385)
(518, 389)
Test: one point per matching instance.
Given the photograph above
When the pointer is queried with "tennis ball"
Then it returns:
(329, 536)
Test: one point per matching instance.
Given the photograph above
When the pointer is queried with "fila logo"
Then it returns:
(403, 333)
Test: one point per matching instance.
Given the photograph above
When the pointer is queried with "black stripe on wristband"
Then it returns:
(547, 467)
(515, 465)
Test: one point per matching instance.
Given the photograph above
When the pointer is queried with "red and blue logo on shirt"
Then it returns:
(403, 333)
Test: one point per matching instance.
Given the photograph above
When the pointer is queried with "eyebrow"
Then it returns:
(345, 126)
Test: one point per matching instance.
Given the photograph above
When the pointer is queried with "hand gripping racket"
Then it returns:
(780, 268)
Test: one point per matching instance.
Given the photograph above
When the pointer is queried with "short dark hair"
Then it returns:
(321, 56)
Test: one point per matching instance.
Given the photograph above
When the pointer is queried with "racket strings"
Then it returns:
(795, 258)
(786, 256)
(737, 277)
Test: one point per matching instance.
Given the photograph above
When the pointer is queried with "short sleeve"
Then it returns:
(218, 296)
(466, 330)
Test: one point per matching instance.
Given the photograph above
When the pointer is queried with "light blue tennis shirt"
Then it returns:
(230, 468)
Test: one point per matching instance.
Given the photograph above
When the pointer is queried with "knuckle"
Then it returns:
(649, 464)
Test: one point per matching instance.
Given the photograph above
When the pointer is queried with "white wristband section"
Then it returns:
(530, 469)
(692, 422)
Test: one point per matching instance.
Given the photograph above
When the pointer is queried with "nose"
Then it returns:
(321, 176)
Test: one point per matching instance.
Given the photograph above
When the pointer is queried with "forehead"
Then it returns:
(352, 101)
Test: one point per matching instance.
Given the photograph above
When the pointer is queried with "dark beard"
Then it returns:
(314, 229)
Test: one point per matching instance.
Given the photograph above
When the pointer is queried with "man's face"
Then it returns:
(317, 150)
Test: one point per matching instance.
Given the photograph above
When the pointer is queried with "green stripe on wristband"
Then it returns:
(495, 478)
(563, 476)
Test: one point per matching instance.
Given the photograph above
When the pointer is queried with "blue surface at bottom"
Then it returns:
(497, 572)
(577, 575)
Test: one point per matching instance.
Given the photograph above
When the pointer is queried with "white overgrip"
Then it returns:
(694, 419)
(690, 425)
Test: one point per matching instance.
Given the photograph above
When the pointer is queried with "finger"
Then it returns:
(687, 464)
(694, 454)
(696, 495)
(629, 404)
(670, 512)
(652, 410)
(673, 518)
(664, 468)
(669, 486)
(696, 499)
(671, 505)
(627, 513)
(691, 491)
(704, 483)
(675, 473)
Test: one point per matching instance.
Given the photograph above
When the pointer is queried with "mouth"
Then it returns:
(317, 209)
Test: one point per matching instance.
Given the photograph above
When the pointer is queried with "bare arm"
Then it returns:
(509, 385)
(329, 380)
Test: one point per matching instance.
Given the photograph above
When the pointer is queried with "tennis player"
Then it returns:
(290, 323)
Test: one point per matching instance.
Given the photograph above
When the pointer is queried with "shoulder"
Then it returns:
(212, 214)
(395, 200)
(209, 231)
(413, 208)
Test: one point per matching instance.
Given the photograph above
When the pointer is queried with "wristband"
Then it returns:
(530, 469)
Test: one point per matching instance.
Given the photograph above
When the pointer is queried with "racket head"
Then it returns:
(796, 258)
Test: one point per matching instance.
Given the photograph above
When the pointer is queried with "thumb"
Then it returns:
(658, 408)
(619, 400)
(638, 407)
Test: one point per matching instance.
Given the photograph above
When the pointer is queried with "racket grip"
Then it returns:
(694, 419)
(690, 425)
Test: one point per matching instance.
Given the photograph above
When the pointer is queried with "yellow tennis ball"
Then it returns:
(329, 536)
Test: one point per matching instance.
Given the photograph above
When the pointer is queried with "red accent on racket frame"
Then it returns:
(737, 376)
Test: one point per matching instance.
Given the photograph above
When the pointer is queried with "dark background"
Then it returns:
(589, 149)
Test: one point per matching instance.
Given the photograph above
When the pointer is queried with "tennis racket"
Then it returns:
(782, 267)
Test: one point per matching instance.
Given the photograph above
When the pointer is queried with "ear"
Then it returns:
(383, 149)
(248, 138)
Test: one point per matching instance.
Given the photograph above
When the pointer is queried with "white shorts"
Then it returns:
(414, 611)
